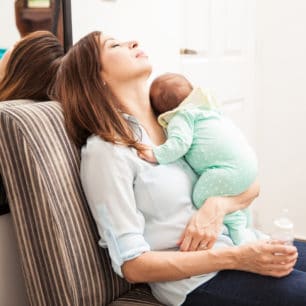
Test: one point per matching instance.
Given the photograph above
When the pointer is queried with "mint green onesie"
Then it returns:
(216, 150)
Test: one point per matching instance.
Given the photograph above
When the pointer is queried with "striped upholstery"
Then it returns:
(4, 208)
(57, 237)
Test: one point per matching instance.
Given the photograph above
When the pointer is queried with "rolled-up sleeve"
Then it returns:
(107, 176)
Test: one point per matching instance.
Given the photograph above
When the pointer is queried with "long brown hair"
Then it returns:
(86, 102)
(31, 67)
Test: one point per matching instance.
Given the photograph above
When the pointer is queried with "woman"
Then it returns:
(143, 211)
(29, 68)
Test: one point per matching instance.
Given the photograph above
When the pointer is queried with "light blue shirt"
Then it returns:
(139, 206)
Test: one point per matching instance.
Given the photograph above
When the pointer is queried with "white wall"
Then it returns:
(8, 31)
(281, 111)
(154, 23)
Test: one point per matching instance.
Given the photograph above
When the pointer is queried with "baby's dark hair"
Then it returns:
(168, 91)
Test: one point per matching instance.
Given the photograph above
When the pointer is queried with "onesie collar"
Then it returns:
(197, 98)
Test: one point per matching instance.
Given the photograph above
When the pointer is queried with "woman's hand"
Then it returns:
(266, 258)
(204, 226)
(147, 154)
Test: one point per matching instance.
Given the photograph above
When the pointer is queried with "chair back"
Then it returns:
(61, 260)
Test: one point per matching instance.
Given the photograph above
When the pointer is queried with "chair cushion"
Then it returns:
(137, 296)
(57, 236)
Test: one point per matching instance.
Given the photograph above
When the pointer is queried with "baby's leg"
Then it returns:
(222, 182)
(237, 225)
(216, 182)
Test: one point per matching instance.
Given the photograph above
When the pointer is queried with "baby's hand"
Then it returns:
(147, 154)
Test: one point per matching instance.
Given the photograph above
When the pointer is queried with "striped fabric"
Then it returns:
(57, 236)
(4, 208)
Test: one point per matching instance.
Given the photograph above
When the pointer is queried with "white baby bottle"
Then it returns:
(283, 229)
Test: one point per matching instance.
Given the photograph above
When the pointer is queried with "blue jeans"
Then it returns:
(237, 288)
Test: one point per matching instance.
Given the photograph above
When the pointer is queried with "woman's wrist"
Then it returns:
(230, 204)
(221, 204)
(226, 258)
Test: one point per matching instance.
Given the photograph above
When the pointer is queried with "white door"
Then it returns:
(223, 34)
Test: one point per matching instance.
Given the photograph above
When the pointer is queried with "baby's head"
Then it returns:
(168, 91)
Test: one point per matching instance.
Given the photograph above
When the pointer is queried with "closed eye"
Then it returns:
(115, 45)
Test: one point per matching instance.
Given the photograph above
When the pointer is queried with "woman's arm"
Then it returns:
(205, 225)
(107, 175)
(257, 257)
(241, 201)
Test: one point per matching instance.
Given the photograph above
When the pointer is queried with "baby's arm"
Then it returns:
(180, 136)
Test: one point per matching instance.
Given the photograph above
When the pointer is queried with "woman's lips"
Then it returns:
(141, 54)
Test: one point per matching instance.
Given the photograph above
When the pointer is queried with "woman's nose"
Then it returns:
(133, 44)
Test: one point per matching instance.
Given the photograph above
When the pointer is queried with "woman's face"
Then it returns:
(122, 61)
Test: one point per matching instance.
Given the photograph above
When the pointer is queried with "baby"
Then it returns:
(213, 146)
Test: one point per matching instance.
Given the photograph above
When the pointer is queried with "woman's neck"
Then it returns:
(134, 100)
